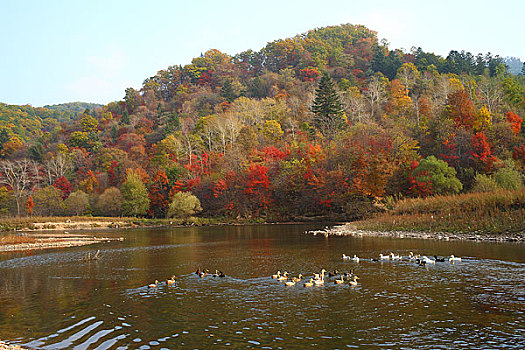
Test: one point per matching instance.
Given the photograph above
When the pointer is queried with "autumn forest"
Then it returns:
(329, 124)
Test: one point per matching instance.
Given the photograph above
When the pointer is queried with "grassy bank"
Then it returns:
(485, 212)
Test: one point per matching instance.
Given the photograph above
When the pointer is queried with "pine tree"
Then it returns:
(328, 109)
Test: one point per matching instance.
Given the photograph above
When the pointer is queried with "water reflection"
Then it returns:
(55, 300)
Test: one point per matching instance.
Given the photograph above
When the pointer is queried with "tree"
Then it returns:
(20, 176)
(328, 109)
(89, 124)
(48, 201)
(183, 205)
(77, 203)
(135, 195)
(110, 202)
(438, 175)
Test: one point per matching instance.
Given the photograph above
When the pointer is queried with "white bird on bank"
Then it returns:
(355, 258)
(384, 257)
(346, 257)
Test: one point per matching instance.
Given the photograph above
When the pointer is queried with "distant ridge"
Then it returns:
(74, 106)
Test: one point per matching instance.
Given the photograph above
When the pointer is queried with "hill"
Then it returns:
(330, 123)
(77, 107)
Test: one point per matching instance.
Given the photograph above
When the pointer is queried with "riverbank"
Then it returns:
(34, 241)
(4, 346)
(488, 216)
(351, 229)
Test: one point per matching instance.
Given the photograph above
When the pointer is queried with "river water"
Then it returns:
(56, 300)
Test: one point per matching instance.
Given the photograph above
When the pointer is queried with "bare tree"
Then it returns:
(20, 175)
(376, 94)
(491, 93)
(57, 167)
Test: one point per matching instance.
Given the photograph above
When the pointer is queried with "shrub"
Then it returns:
(183, 205)
(484, 183)
(508, 178)
(441, 176)
(110, 202)
(77, 203)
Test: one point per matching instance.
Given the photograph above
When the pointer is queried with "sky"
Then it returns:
(92, 50)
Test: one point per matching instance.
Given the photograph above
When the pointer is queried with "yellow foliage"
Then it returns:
(483, 119)
(272, 130)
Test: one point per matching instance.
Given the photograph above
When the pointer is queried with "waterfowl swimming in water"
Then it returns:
(320, 281)
(154, 285)
(341, 281)
(171, 280)
(427, 260)
(198, 272)
(384, 257)
(395, 257)
(345, 257)
(298, 278)
(203, 273)
(309, 284)
(332, 274)
(355, 258)
(276, 276)
(284, 277)
(290, 283)
(221, 274)
(454, 259)
(439, 259)
(354, 281)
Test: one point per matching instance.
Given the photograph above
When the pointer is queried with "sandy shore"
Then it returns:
(352, 230)
(4, 346)
(48, 241)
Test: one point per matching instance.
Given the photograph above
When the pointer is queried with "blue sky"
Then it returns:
(62, 51)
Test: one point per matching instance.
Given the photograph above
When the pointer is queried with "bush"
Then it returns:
(110, 202)
(77, 203)
(441, 176)
(508, 178)
(484, 183)
(183, 205)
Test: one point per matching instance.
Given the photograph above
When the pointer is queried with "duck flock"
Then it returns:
(336, 277)
(421, 260)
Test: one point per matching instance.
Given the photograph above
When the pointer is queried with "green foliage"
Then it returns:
(77, 203)
(78, 139)
(183, 205)
(441, 176)
(508, 178)
(328, 109)
(135, 195)
(484, 183)
(76, 107)
(48, 201)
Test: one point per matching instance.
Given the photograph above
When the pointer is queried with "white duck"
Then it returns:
(454, 259)
(320, 281)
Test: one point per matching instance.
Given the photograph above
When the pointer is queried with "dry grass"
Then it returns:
(15, 239)
(490, 212)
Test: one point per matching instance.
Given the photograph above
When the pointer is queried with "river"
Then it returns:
(56, 299)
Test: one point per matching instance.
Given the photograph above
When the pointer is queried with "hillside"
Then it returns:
(330, 123)
(77, 107)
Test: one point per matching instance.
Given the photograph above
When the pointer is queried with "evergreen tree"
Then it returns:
(328, 109)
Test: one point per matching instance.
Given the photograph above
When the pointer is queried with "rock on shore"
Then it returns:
(352, 230)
